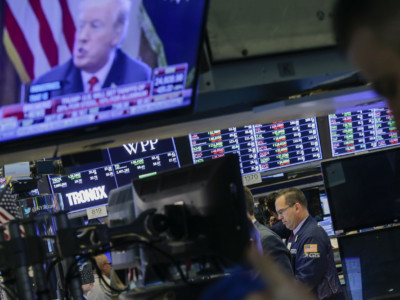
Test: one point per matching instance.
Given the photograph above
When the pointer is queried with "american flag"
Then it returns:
(38, 34)
(308, 248)
(8, 208)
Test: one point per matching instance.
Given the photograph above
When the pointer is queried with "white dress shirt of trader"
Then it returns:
(100, 291)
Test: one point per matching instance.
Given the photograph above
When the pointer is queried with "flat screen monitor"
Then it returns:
(326, 224)
(89, 185)
(362, 130)
(92, 67)
(325, 204)
(261, 147)
(371, 264)
(363, 191)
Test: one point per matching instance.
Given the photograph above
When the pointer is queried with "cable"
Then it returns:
(11, 294)
(51, 267)
(170, 257)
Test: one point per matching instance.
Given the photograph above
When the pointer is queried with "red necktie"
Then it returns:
(290, 237)
(92, 81)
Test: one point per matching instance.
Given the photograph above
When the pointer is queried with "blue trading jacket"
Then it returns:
(312, 260)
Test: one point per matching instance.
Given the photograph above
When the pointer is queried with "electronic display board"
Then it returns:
(261, 147)
(89, 187)
(362, 130)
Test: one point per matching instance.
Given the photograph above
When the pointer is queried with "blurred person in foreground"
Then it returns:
(312, 256)
(261, 279)
(368, 31)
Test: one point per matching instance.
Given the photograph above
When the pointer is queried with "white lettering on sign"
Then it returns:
(88, 195)
(132, 148)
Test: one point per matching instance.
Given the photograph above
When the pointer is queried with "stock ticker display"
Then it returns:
(362, 130)
(261, 147)
(90, 186)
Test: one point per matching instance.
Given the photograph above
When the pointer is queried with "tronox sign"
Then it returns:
(87, 195)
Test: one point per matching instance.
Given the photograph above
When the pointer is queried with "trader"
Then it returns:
(312, 255)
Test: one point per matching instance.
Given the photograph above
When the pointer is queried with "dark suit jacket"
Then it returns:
(124, 70)
(273, 245)
(280, 229)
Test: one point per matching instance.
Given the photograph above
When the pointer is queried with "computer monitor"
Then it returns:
(362, 130)
(371, 264)
(325, 204)
(326, 224)
(363, 190)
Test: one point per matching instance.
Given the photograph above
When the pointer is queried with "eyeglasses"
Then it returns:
(281, 211)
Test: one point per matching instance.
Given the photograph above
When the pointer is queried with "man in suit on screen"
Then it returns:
(97, 61)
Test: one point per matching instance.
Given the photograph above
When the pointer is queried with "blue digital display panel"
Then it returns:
(261, 147)
(362, 130)
(90, 186)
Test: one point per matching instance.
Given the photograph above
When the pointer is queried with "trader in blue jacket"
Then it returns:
(312, 255)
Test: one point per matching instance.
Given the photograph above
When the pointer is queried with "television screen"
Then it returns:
(362, 130)
(363, 190)
(98, 64)
(261, 147)
(326, 224)
(325, 204)
(371, 264)
(89, 185)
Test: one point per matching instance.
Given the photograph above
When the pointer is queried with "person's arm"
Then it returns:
(281, 286)
(278, 251)
(311, 261)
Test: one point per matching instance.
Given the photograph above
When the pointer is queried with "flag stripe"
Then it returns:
(53, 13)
(46, 36)
(15, 57)
(68, 24)
(27, 21)
(18, 40)
(4, 216)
